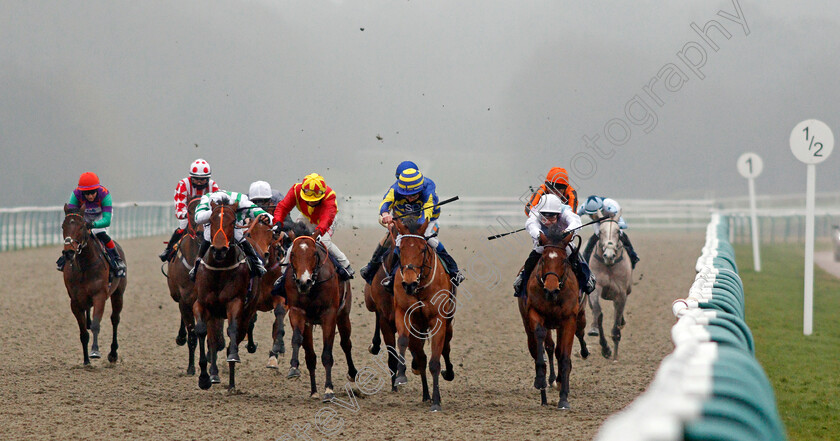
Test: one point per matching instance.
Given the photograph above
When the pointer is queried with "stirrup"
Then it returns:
(458, 278)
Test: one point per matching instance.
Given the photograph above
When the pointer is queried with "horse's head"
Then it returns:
(74, 231)
(413, 253)
(261, 237)
(608, 241)
(222, 226)
(305, 260)
(191, 227)
(553, 264)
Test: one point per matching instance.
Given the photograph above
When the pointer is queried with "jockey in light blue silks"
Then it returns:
(597, 207)
(550, 210)
(412, 193)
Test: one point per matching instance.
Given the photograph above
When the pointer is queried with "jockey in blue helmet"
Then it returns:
(597, 207)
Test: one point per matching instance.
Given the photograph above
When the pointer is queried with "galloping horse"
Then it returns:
(86, 277)
(266, 243)
(379, 301)
(424, 303)
(181, 288)
(222, 292)
(315, 296)
(553, 302)
(613, 273)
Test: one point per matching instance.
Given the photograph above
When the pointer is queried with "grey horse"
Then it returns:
(611, 267)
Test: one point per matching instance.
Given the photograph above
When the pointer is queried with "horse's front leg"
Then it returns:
(201, 334)
(116, 309)
(540, 332)
(297, 322)
(95, 323)
(549, 350)
(252, 346)
(402, 341)
(277, 334)
(619, 303)
(438, 342)
(418, 366)
(309, 355)
(216, 339)
(565, 340)
(81, 318)
(234, 313)
(595, 305)
(396, 363)
(328, 326)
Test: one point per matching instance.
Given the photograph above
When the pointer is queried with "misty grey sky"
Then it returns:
(484, 95)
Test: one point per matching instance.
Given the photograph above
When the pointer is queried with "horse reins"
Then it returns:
(543, 276)
(318, 263)
(431, 266)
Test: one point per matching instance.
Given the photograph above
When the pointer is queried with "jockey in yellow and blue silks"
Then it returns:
(412, 193)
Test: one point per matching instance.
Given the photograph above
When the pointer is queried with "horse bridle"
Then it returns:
(423, 265)
(619, 247)
(79, 246)
(543, 276)
(318, 260)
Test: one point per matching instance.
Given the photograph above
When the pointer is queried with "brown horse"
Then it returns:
(424, 303)
(553, 302)
(86, 277)
(379, 301)
(181, 288)
(221, 285)
(315, 296)
(268, 244)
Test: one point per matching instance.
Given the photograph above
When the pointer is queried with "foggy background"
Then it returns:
(484, 95)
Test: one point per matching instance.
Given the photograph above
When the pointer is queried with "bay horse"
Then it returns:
(88, 283)
(181, 288)
(553, 302)
(613, 272)
(380, 302)
(316, 296)
(424, 304)
(268, 244)
(221, 284)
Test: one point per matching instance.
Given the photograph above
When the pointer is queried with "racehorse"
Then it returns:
(424, 304)
(379, 301)
(613, 273)
(553, 302)
(181, 288)
(266, 243)
(221, 284)
(315, 296)
(88, 282)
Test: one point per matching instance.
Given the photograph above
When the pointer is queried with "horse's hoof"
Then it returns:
(232, 391)
(112, 357)
(314, 395)
(400, 380)
(252, 348)
(373, 349)
(563, 405)
(554, 384)
(416, 371)
(95, 355)
(435, 408)
(233, 358)
(448, 375)
(191, 371)
(606, 352)
(584, 353)
(204, 381)
(351, 380)
(272, 362)
(215, 379)
(593, 332)
(328, 396)
(181, 340)
(294, 373)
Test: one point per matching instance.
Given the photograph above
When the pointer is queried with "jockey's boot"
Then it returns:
(456, 276)
(279, 288)
(630, 252)
(586, 281)
(590, 245)
(523, 276)
(368, 271)
(168, 252)
(254, 261)
(59, 264)
(388, 281)
(116, 262)
(202, 250)
(347, 272)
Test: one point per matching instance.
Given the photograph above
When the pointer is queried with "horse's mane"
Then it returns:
(413, 224)
(554, 234)
(300, 228)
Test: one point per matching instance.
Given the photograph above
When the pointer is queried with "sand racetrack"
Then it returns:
(47, 394)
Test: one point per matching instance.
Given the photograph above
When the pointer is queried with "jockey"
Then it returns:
(245, 210)
(549, 211)
(598, 208)
(317, 203)
(557, 183)
(196, 184)
(96, 201)
(413, 193)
